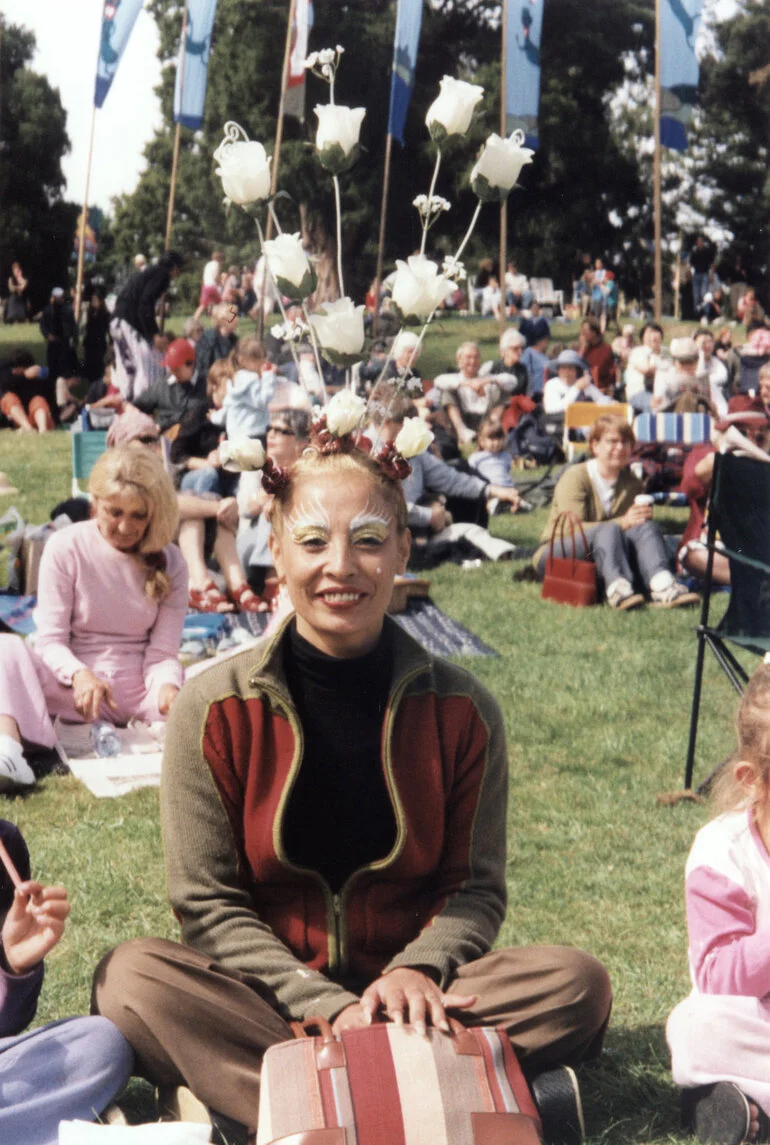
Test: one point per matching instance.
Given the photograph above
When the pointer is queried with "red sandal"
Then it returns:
(252, 603)
(209, 599)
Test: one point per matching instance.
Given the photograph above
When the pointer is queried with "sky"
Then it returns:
(67, 34)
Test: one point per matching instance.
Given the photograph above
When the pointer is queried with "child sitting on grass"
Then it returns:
(68, 1069)
(492, 460)
(244, 410)
(719, 1035)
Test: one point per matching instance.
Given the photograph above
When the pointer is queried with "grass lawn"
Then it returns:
(596, 706)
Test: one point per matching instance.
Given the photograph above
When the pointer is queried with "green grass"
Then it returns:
(596, 706)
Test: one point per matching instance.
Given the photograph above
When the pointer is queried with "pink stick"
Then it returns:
(8, 863)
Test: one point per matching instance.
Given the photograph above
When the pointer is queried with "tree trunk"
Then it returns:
(320, 244)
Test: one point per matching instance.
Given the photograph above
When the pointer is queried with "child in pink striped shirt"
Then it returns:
(719, 1035)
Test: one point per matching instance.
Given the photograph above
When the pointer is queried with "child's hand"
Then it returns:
(33, 925)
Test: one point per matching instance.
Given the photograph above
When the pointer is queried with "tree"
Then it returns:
(579, 191)
(38, 225)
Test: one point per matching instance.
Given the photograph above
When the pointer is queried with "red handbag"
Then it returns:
(388, 1085)
(569, 579)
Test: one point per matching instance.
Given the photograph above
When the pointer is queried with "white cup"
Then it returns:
(644, 499)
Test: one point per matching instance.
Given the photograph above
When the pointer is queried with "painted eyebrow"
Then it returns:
(372, 513)
(309, 514)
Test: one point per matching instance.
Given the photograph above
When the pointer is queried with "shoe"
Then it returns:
(209, 599)
(15, 772)
(557, 1097)
(675, 596)
(719, 1114)
(622, 597)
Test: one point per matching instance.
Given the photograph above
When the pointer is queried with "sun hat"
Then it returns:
(570, 358)
(684, 349)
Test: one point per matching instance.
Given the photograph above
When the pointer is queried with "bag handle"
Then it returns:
(305, 1029)
(567, 519)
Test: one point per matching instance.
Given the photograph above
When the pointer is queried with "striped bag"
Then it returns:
(389, 1085)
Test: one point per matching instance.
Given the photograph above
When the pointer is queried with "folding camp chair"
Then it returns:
(87, 448)
(582, 415)
(739, 511)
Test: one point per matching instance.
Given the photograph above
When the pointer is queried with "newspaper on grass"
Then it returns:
(138, 764)
(166, 1133)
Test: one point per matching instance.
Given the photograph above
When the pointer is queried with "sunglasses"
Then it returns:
(148, 439)
(282, 430)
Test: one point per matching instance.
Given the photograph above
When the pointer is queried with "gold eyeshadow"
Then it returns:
(372, 531)
(302, 533)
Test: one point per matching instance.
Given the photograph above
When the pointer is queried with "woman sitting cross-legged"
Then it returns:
(112, 597)
(628, 547)
(334, 806)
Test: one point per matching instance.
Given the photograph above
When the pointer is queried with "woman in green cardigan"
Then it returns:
(631, 557)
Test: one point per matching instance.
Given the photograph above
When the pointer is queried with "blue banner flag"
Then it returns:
(118, 22)
(522, 67)
(407, 41)
(679, 20)
(190, 87)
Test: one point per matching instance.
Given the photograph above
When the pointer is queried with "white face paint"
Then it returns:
(373, 523)
(309, 521)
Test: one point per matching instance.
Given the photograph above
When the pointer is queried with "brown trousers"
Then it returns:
(192, 1022)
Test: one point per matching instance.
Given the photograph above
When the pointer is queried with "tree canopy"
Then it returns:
(38, 225)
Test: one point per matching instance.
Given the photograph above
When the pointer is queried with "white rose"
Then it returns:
(418, 288)
(244, 169)
(242, 455)
(289, 266)
(339, 327)
(414, 437)
(451, 112)
(499, 167)
(345, 412)
(337, 135)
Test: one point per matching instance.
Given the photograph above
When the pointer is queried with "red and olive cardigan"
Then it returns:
(233, 751)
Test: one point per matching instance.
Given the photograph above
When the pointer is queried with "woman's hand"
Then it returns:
(33, 925)
(408, 995)
(636, 515)
(166, 696)
(89, 691)
(353, 1017)
(505, 493)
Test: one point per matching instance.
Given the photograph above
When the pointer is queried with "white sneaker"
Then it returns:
(675, 596)
(15, 772)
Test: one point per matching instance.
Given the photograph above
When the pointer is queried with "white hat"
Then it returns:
(684, 349)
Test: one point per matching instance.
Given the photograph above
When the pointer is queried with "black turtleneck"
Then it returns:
(339, 816)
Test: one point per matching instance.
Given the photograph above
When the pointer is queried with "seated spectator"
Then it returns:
(536, 362)
(758, 402)
(571, 384)
(518, 295)
(192, 330)
(712, 371)
(112, 596)
(624, 344)
(492, 460)
(598, 355)
(712, 306)
(534, 326)
(446, 507)
(486, 269)
(170, 398)
(276, 805)
(680, 389)
(626, 544)
(195, 448)
(22, 388)
(643, 364)
(305, 376)
(723, 348)
(67, 1070)
(217, 342)
(749, 308)
(287, 436)
(758, 341)
(491, 299)
(692, 556)
(508, 369)
(467, 396)
(244, 410)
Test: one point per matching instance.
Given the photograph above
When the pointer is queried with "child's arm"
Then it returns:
(728, 954)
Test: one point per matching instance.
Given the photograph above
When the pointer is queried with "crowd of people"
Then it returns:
(338, 715)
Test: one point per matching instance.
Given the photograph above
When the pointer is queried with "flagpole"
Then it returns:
(381, 240)
(276, 157)
(177, 134)
(504, 204)
(83, 223)
(656, 176)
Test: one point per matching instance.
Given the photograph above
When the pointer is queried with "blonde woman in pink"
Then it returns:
(112, 598)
